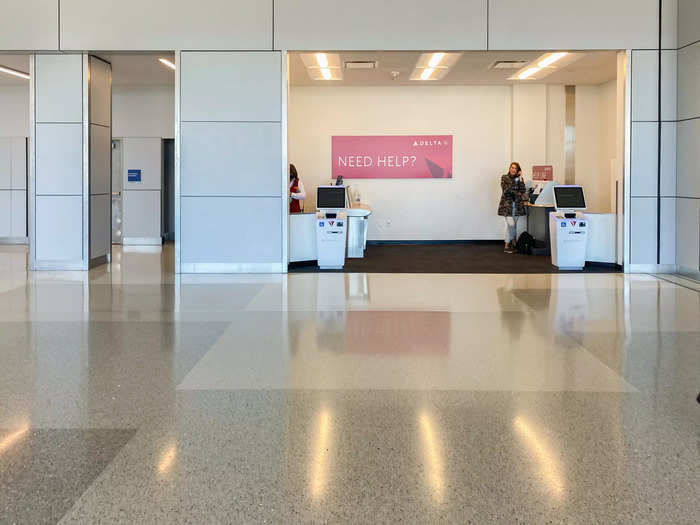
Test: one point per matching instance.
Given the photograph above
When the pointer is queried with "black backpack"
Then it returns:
(525, 243)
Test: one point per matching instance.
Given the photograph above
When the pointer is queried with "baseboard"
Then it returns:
(99, 261)
(650, 268)
(14, 240)
(142, 241)
(429, 242)
(58, 266)
(233, 268)
(689, 273)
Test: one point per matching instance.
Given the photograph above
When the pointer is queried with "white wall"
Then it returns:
(332, 24)
(492, 125)
(14, 111)
(143, 111)
(688, 129)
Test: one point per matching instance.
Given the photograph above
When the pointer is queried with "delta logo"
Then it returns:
(573, 223)
(430, 142)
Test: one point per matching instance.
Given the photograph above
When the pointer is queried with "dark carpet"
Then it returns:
(447, 258)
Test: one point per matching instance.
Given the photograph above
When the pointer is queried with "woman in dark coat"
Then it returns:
(512, 205)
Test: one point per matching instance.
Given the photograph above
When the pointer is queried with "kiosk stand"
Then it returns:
(568, 228)
(331, 227)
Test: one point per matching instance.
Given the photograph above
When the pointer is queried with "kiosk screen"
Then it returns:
(330, 197)
(569, 197)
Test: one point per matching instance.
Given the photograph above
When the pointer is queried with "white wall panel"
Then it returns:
(14, 108)
(143, 111)
(669, 20)
(5, 163)
(688, 81)
(644, 165)
(669, 85)
(59, 159)
(643, 230)
(645, 85)
(164, 24)
(100, 92)
(141, 214)
(668, 231)
(59, 90)
(688, 233)
(233, 230)
(231, 87)
(100, 159)
(231, 158)
(29, 25)
(146, 154)
(19, 163)
(19, 213)
(573, 24)
(100, 227)
(372, 25)
(5, 213)
(688, 174)
(688, 22)
(668, 159)
(59, 228)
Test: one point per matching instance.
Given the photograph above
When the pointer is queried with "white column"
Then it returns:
(70, 170)
(229, 134)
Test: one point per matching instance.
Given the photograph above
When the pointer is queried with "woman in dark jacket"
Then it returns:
(512, 205)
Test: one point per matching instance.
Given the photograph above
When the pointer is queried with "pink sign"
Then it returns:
(543, 173)
(392, 157)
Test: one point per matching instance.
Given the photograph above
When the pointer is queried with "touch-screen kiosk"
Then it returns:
(331, 227)
(568, 228)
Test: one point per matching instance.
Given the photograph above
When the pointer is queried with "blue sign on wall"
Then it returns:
(134, 175)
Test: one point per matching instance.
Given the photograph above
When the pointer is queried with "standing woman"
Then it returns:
(512, 205)
(296, 191)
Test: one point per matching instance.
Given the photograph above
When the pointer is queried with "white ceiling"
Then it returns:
(133, 69)
(474, 68)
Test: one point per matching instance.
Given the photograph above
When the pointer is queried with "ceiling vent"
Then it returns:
(360, 64)
(508, 64)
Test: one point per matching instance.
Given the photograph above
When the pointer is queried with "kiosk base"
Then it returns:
(569, 237)
(331, 238)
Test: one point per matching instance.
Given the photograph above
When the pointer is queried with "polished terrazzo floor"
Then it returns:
(130, 395)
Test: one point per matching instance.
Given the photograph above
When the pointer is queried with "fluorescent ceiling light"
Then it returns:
(548, 61)
(435, 60)
(322, 66)
(322, 60)
(528, 73)
(166, 62)
(14, 72)
(425, 75)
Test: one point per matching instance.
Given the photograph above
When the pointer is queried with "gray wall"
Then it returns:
(688, 181)
(230, 199)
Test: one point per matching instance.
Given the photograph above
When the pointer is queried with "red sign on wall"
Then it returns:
(543, 173)
(392, 157)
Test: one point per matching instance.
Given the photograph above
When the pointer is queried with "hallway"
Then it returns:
(130, 394)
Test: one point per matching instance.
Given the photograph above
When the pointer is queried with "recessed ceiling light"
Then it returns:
(322, 60)
(528, 73)
(549, 60)
(435, 59)
(14, 72)
(425, 75)
(166, 62)
(322, 66)
(438, 63)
